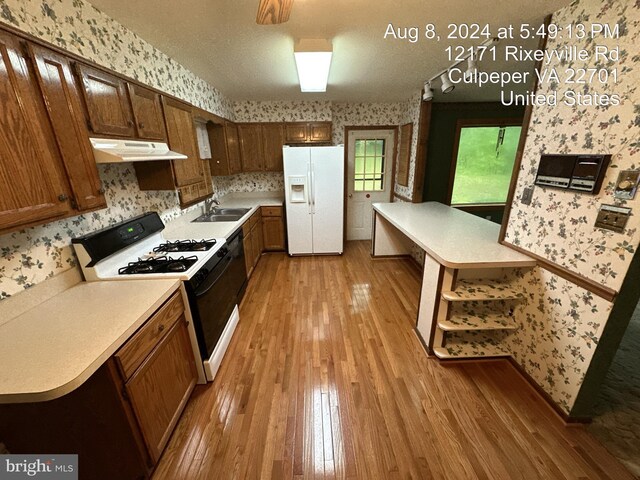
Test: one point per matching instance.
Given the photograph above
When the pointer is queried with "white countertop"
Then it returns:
(454, 238)
(53, 348)
(183, 226)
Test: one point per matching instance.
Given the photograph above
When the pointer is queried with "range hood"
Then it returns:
(107, 150)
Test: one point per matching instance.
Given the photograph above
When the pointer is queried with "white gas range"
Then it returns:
(213, 272)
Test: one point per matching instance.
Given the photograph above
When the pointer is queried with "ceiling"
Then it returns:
(219, 41)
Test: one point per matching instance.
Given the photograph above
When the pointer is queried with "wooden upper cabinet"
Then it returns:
(251, 149)
(63, 103)
(147, 112)
(33, 185)
(272, 142)
(319, 132)
(181, 134)
(308, 132)
(296, 132)
(233, 147)
(107, 101)
(225, 151)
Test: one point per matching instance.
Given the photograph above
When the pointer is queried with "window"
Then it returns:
(369, 165)
(484, 164)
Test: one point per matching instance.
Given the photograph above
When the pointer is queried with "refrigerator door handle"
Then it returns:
(309, 186)
(313, 188)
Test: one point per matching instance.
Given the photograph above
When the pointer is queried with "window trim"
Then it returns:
(476, 122)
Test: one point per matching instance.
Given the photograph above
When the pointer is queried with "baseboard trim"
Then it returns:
(565, 417)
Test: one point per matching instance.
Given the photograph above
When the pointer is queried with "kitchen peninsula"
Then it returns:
(466, 306)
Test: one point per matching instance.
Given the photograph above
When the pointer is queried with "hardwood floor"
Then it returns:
(325, 378)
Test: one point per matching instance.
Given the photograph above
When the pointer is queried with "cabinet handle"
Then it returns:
(62, 197)
(130, 123)
(160, 327)
(101, 190)
(141, 125)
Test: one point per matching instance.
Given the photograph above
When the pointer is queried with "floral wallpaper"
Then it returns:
(560, 325)
(80, 28)
(282, 111)
(558, 225)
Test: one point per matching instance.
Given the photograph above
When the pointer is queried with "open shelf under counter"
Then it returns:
(482, 290)
(472, 345)
(467, 322)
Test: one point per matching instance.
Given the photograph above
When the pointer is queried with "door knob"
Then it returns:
(62, 197)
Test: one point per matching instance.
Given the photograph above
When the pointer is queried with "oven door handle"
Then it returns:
(210, 283)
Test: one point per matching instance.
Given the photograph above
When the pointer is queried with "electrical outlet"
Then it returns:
(611, 217)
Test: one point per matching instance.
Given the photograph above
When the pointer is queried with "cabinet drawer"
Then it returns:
(133, 353)
(271, 211)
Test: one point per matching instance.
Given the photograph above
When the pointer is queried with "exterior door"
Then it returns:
(370, 165)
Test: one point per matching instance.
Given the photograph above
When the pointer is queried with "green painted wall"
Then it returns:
(440, 147)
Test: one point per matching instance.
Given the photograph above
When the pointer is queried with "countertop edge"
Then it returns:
(525, 262)
(74, 383)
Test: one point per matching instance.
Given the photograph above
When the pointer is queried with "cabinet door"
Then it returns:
(182, 138)
(219, 153)
(160, 388)
(319, 132)
(107, 102)
(250, 137)
(272, 143)
(33, 186)
(296, 132)
(64, 106)
(233, 148)
(147, 112)
(273, 230)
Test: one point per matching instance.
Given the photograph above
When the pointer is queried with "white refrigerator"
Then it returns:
(314, 195)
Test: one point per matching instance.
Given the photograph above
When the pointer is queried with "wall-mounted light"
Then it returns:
(313, 61)
(427, 96)
(447, 86)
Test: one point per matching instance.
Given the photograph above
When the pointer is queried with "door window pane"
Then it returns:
(484, 164)
(369, 165)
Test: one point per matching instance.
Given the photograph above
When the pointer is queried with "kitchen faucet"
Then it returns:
(209, 205)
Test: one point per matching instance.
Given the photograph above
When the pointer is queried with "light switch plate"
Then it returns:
(611, 217)
(527, 196)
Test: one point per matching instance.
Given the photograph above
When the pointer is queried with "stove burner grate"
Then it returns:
(162, 264)
(186, 246)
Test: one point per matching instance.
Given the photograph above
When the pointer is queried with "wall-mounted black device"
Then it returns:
(583, 173)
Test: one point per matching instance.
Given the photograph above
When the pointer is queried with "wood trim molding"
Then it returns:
(402, 197)
(542, 45)
(403, 154)
(421, 151)
(547, 398)
(594, 287)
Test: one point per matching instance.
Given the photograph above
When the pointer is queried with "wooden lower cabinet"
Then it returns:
(273, 229)
(160, 388)
(263, 232)
(118, 424)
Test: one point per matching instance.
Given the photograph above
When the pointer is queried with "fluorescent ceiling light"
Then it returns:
(313, 61)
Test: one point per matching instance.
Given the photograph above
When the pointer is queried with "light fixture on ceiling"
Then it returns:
(447, 86)
(443, 75)
(472, 68)
(427, 96)
(313, 61)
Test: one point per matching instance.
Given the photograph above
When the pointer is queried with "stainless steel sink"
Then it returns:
(222, 215)
(229, 211)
